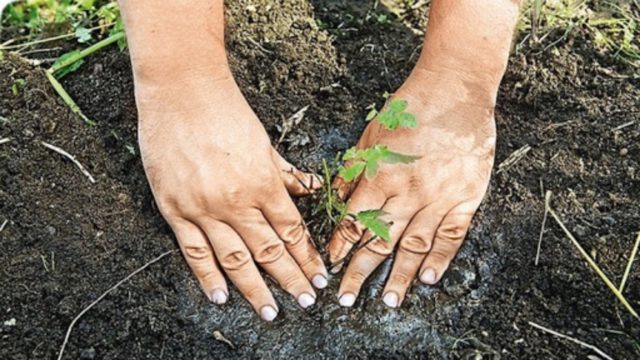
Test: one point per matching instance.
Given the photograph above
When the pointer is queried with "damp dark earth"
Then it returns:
(568, 119)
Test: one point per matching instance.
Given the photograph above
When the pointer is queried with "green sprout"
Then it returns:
(368, 161)
(394, 116)
(370, 219)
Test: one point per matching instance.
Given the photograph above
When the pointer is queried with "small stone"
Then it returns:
(10, 322)
(88, 354)
(50, 230)
(624, 151)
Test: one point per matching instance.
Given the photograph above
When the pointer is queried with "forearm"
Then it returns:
(162, 41)
(471, 39)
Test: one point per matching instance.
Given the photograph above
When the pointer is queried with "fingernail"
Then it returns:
(390, 299)
(268, 313)
(319, 281)
(428, 276)
(218, 296)
(335, 269)
(305, 300)
(347, 300)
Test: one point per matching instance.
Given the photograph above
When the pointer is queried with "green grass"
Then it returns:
(611, 25)
(33, 18)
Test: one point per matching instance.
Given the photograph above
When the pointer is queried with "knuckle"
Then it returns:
(349, 231)
(269, 253)
(294, 233)
(400, 279)
(235, 260)
(291, 281)
(453, 232)
(197, 253)
(380, 247)
(416, 244)
(358, 276)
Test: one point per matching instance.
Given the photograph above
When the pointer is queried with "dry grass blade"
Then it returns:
(84, 311)
(593, 264)
(579, 342)
(627, 270)
(70, 157)
(547, 198)
(4, 141)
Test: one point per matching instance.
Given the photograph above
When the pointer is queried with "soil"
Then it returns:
(68, 240)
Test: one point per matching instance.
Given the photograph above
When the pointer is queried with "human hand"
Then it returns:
(225, 191)
(428, 203)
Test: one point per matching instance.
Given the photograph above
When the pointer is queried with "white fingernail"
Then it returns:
(305, 300)
(268, 313)
(347, 300)
(391, 299)
(335, 269)
(219, 296)
(319, 281)
(428, 276)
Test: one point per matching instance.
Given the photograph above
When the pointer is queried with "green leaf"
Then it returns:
(398, 105)
(370, 219)
(352, 172)
(68, 69)
(397, 158)
(408, 120)
(82, 34)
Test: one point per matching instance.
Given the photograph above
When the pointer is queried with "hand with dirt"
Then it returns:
(214, 174)
(430, 202)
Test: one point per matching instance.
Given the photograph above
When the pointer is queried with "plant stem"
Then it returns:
(593, 265)
(67, 98)
(88, 51)
(54, 38)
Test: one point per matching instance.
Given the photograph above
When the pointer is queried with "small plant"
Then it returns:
(368, 161)
(17, 85)
(394, 116)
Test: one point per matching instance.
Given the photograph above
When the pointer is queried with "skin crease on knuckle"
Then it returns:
(234, 260)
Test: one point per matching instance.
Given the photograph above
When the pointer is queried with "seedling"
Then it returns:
(394, 116)
(17, 85)
(368, 161)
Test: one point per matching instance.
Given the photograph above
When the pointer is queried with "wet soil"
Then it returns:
(67, 240)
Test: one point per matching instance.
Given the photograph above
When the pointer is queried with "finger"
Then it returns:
(298, 183)
(284, 218)
(235, 259)
(446, 242)
(414, 245)
(373, 252)
(349, 231)
(197, 251)
(271, 254)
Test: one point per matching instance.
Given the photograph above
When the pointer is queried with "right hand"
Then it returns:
(225, 192)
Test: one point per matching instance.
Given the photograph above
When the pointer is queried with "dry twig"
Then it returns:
(563, 336)
(4, 141)
(84, 311)
(627, 270)
(70, 157)
(547, 198)
(592, 263)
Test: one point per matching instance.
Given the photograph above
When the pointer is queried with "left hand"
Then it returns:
(430, 202)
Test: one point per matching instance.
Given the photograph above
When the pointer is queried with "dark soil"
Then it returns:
(68, 240)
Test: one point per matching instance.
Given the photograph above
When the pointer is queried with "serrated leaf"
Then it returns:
(351, 154)
(398, 105)
(396, 158)
(351, 172)
(408, 120)
(370, 219)
(371, 169)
